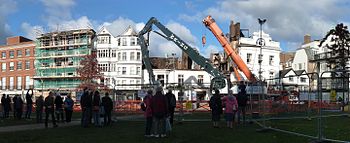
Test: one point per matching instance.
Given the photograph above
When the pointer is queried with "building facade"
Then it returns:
(120, 60)
(58, 55)
(17, 66)
(249, 51)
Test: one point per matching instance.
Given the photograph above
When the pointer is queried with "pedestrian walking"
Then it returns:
(215, 104)
(29, 105)
(107, 104)
(172, 105)
(231, 107)
(148, 112)
(39, 103)
(59, 107)
(96, 102)
(242, 100)
(50, 109)
(68, 107)
(159, 112)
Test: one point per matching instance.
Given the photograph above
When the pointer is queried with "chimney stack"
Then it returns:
(307, 39)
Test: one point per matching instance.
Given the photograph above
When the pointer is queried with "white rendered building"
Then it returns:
(120, 59)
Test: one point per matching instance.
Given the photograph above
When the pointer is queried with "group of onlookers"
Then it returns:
(93, 106)
(232, 105)
(159, 112)
(17, 107)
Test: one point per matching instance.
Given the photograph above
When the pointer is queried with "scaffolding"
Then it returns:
(58, 55)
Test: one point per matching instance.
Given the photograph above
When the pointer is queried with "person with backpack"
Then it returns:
(148, 112)
(39, 103)
(172, 105)
(29, 103)
(49, 109)
(68, 107)
(107, 104)
(159, 107)
(231, 107)
(215, 104)
(242, 100)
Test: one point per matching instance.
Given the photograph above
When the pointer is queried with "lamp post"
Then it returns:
(261, 43)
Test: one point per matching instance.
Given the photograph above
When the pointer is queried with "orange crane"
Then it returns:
(209, 22)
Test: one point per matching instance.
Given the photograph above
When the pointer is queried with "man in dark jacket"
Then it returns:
(19, 107)
(59, 107)
(14, 100)
(49, 109)
(215, 104)
(29, 103)
(39, 103)
(96, 108)
(172, 105)
(3, 101)
(86, 106)
(159, 111)
(242, 100)
(107, 104)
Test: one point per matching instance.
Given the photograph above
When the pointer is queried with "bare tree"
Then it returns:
(89, 72)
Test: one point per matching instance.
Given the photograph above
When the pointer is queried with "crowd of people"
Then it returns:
(159, 112)
(232, 105)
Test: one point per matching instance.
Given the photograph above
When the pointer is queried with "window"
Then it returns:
(104, 40)
(19, 53)
(132, 70)
(19, 82)
(124, 42)
(303, 79)
(132, 42)
(27, 65)
(200, 79)
(27, 82)
(132, 56)
(27, 52)
(291, 79)
(124, 71)
(160, 78)
(271, 76)
(300, 66)
(138, 82)
(119, 71)
(3, 83)
(19, 65)
(12, 66)
(138, 71)
(3, 67)
(138, 56)
(12, 54)
(119, 56)
(114, 53)
(11, 83)
(132, 82)
(249, 58)
(3, 55)
(124, 56)
(180, 79)
(123, 81)
(271, 62)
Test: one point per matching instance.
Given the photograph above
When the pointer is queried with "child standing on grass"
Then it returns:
(231, 107)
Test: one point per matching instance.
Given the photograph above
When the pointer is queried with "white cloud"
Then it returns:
(6, 7)
(286, 20)
(31, 31)
(58, 9)
(119, 25)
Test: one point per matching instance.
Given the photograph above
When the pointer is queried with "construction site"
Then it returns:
(58, 55)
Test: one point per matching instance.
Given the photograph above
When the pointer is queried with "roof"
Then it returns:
(310, 53)
(284, 72)
(129, 32)
(299, 72)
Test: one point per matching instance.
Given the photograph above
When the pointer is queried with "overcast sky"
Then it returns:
(287, 21)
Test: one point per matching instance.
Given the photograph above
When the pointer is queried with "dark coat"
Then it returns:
(107, 104)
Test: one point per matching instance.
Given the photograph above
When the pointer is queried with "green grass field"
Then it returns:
(188, 132)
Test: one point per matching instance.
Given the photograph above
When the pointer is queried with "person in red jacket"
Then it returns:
(159, 112)
(148, 112)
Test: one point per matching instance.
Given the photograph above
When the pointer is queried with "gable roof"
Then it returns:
(299, 72)
(283, 73)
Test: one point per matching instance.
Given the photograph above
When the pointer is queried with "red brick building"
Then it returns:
(17, 66)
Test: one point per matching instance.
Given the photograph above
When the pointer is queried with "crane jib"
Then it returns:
(176, 40)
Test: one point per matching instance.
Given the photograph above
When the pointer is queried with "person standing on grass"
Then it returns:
(3, 100)
(96, 102)
(14, 100)
(29, 104)
(216, 108)
(7, 106)
(231, 107)
(39, 103)
(159, 112)
(68, 107)
(59, 107)
(148, 112)
(107, 104)
(19, 107)
(172, 105)
(86, 105)
(242, 100)
(50, 109)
